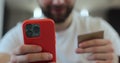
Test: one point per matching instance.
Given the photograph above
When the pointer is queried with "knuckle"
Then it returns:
(111, 56)
(108, 41)
(111, 49)
(42, 56)
(109, 61)
(17, 51)
(95, 56)
(21, 49)
(46, 56)
(36, 46)
(29, 57)
(28, 48)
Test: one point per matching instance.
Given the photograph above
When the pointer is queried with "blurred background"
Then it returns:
(13, 11)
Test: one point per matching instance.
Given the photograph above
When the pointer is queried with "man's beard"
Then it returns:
(57, 19)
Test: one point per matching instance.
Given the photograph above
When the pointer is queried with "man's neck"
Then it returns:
(64, 25)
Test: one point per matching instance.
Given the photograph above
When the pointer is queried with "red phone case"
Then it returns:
(46, 39)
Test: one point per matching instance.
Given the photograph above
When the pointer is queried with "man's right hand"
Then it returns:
(29, 53)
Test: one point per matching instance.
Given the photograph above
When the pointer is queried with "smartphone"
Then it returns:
(40, 32)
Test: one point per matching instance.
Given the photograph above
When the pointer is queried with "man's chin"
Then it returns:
(58, 20)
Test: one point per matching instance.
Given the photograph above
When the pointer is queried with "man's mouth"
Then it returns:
(58, 11)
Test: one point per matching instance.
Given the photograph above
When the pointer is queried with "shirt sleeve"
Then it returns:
(112, 35)
(12, 39)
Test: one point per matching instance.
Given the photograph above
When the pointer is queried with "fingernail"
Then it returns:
(79, 50)
(80, 45)
(39, 49)
(36, 48)
(50, 56)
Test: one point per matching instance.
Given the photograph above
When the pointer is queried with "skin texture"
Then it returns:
(59, 10)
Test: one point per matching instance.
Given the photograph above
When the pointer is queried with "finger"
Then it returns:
(99, 49)
(98, 61)
(94, 42)
(101, 56)
(32, 58)
(52, 62)
(27, 49)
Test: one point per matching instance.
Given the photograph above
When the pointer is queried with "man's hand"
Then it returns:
(29, 53)
(101, 49)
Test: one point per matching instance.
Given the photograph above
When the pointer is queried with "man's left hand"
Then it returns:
(101, 49)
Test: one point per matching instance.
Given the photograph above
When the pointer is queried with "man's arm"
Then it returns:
(12, 39)
(103, 50)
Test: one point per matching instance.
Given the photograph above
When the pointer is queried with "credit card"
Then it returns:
(89, 36)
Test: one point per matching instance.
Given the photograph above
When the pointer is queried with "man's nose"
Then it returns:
(58, 2)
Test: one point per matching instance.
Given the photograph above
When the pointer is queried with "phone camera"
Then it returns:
(36, 29)
(29, 33)
(32, 30)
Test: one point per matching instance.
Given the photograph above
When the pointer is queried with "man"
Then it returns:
(68, 26)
